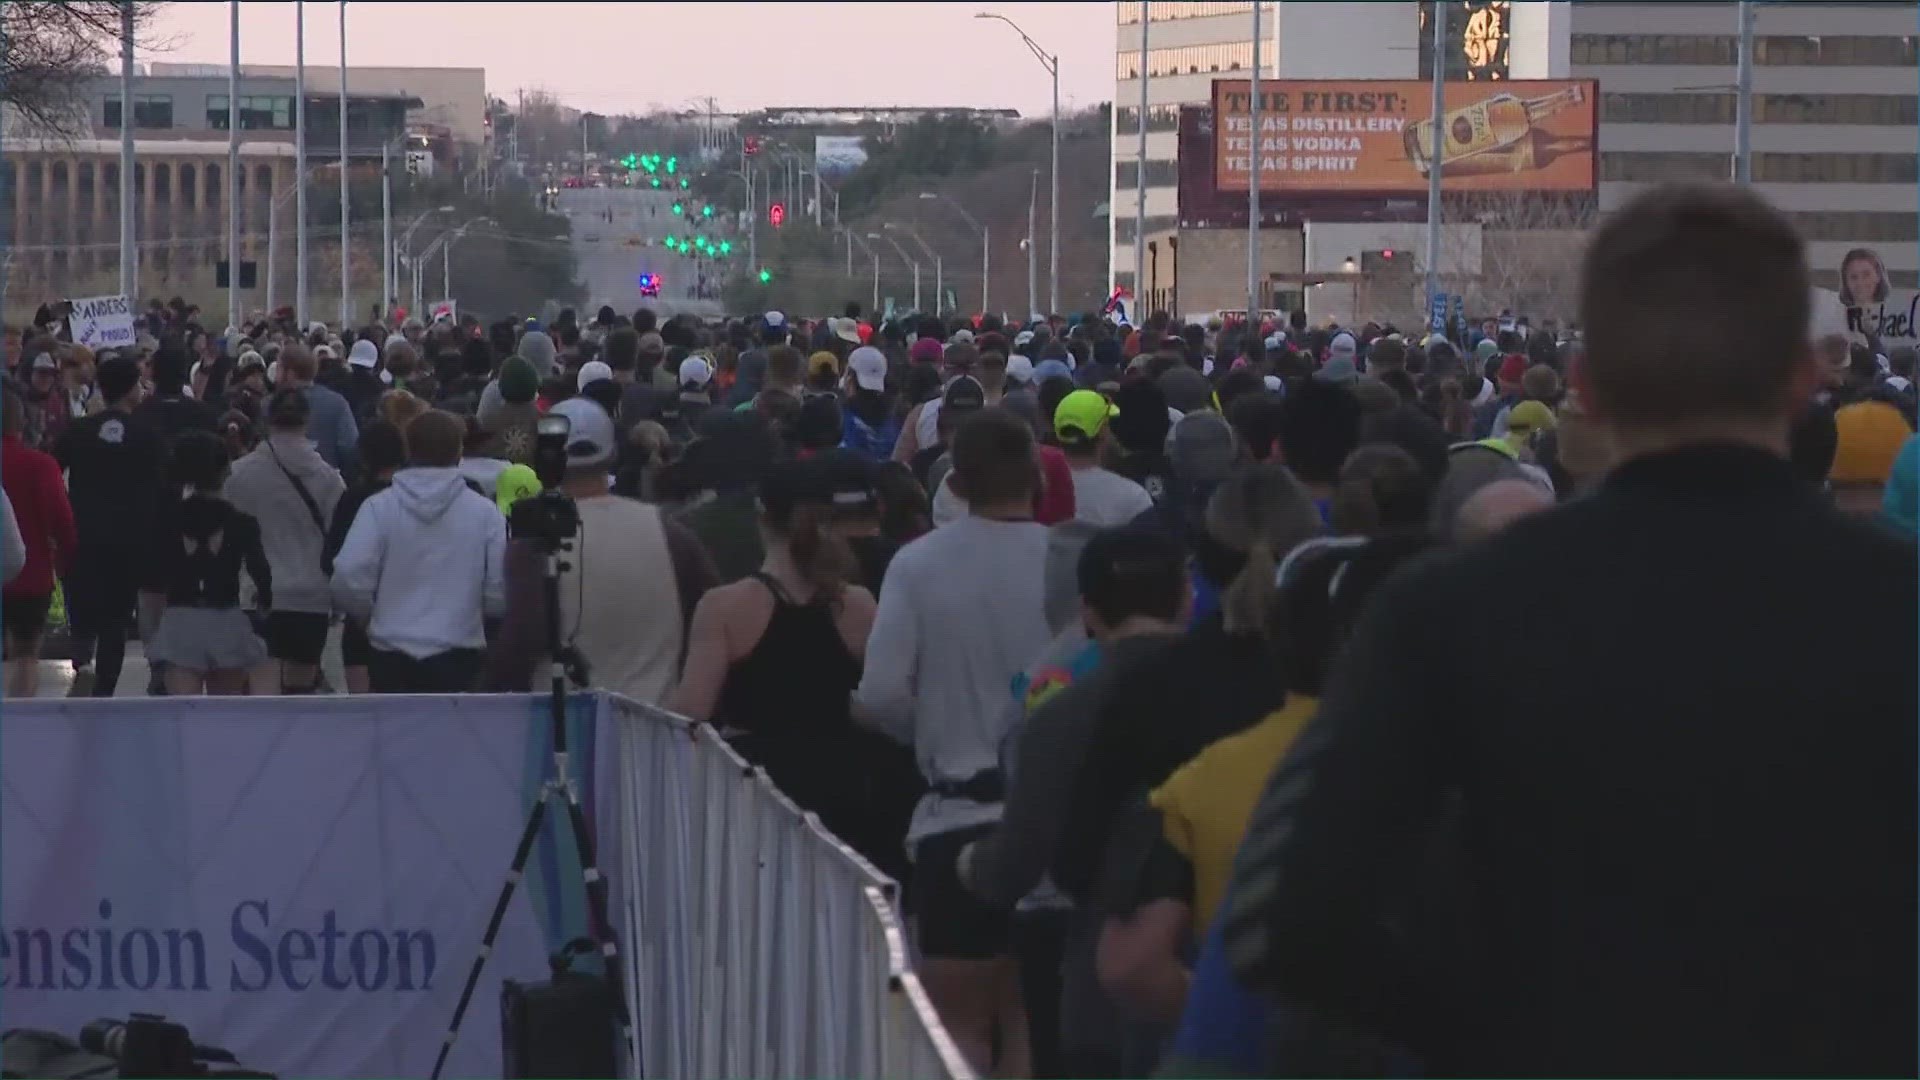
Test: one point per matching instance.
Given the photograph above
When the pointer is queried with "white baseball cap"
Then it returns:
(364, 354)
(869, 367)
(593, 371)
(590, 440)
(962, 337)
(1019, 369)
(1022, 338)
(695, 370)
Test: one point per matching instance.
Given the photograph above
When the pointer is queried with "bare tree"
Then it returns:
(1530, 249)
(48, 50)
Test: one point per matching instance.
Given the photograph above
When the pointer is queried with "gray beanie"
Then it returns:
(536, 348)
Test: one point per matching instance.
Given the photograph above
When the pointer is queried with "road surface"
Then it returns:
(613, 254)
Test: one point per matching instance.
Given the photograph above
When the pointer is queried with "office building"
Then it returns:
(1833, 137)
(60, 196)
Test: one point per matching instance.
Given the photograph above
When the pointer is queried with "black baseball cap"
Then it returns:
(964, 393)
(1133, 570)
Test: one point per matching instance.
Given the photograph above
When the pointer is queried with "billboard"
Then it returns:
(1375, 136)
(837, 155)
(1874, 308)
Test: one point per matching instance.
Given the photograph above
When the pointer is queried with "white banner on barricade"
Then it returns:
(303, 881)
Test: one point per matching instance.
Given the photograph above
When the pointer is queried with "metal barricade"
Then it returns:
(761, 945)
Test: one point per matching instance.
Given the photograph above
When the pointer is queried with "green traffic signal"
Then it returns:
(726, 247)
(656, 181)
(673, 164)
(706, 211)
(765, 276)
(678, 209)
(683, 183)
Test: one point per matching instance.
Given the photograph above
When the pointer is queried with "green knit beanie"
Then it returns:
(518, 381)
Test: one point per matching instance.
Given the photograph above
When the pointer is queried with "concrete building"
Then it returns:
(60, 197)
(451, 98)
(1835, 109)
(1835, 112)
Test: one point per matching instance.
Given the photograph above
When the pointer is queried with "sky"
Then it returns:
(627, 57)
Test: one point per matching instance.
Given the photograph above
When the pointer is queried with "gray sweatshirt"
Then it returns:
(260, 486)
(16, 545)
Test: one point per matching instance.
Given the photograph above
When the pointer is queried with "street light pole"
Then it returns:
(1254, 306)
(1434, 164)
(346, 276)
(986, 243)
(1033, 296)
(300, 164)
(386, 231)
(908, 259)
(1051, 61)
(939, 270)
(129, 276)
(1743, 100)
(233, 161)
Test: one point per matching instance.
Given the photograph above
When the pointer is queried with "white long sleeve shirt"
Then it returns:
(962, 612)
(424, 562)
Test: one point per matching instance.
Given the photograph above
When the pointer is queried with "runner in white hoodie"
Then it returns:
(424, 562)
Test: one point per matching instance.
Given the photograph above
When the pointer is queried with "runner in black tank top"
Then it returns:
(787, 701)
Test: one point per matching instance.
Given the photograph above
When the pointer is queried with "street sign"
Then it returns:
(1438, 321)
(103, 322)
(1459, 306)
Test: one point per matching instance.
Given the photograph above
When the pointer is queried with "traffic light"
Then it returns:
(673, 164)
(750, 144)
(765, 275)
(726, 247)
(678, 208)
(707, 210)
(683, 183)
(1382, 259)
(656, 181)
(777, 214)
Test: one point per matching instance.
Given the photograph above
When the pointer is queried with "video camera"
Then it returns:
(143, 1045)
(549, 517)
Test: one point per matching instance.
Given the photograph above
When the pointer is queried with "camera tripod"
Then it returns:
(549, 519)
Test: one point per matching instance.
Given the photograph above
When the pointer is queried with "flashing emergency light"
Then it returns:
(765, 276)
(647, 281)
(776, 214)
(1387, 254)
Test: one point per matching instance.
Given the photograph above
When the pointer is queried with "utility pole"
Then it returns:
(386, 230)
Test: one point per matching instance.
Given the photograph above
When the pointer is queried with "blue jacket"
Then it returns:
(331, 428)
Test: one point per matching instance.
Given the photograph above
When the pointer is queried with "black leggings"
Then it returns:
(107, 651)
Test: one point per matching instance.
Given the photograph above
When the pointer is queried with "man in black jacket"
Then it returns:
(1687, 826)
(116, 469)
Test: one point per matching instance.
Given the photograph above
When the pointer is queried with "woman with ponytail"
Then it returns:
(773, 658)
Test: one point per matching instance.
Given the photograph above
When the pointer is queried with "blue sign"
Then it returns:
(1459, 306)
(1439, 304)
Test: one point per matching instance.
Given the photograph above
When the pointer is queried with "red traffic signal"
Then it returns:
(751, 144)
(776, 214)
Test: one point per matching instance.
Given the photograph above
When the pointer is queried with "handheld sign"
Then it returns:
(103, 322)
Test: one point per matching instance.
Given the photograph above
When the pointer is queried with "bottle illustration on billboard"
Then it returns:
(1499, 134)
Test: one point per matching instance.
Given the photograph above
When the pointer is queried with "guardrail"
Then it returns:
(759, 944)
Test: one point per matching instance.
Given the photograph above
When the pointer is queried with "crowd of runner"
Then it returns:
(1229, 700)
